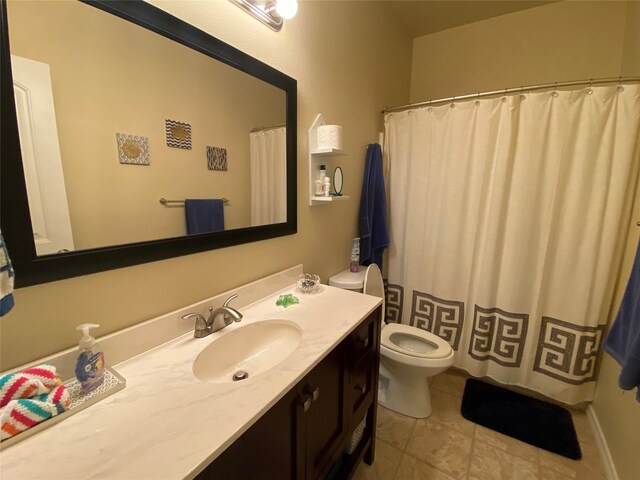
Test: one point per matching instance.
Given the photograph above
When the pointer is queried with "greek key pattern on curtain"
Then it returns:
(498, 335)
(507, 223)
(568, 352)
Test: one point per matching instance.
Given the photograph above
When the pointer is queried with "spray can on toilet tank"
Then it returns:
(355, 255)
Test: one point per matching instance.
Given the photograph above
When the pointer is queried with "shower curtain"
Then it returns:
(507, 223)
(268, 154)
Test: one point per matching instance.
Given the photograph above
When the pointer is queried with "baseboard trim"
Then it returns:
(605, 454)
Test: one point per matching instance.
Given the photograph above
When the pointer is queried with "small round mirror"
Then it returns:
(337, 180)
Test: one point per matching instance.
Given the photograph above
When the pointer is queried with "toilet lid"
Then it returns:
(414, 341)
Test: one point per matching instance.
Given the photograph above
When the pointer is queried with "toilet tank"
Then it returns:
(348, 280)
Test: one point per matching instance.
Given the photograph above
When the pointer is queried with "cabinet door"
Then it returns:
(269, 446)
(326, 422)
(267, 451)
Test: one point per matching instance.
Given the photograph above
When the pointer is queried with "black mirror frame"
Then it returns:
(15, 220)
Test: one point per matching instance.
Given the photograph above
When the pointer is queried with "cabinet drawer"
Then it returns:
(362, 339)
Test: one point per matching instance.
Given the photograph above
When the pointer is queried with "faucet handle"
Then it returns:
(201, 324)
(226, 302)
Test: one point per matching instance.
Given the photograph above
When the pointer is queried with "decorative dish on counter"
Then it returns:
(308, 282)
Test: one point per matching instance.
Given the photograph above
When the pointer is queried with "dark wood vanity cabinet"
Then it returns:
(304, 435)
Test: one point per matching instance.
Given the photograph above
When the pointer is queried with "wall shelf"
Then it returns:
(317, 157)
(320, 200)
(328, 152)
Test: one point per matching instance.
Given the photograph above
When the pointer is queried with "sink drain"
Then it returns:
(240, 375)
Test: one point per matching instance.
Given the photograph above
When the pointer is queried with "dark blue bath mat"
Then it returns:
(530, 420)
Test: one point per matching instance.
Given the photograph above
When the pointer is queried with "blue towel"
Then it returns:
(6, 280)
(623, 340)
(374, 237)
(204, 216)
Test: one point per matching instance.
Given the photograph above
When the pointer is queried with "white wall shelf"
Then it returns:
(317, 157)
(335, 198)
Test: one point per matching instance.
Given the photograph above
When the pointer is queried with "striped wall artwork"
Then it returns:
(217, 158)
(178, 134)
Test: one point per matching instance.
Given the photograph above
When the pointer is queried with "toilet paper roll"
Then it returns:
(329, 136)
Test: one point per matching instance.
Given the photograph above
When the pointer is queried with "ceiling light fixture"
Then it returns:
(270, 12)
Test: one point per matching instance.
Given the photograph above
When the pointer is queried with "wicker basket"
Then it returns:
(356, 436)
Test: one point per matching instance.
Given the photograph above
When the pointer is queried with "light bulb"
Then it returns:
(287, 8)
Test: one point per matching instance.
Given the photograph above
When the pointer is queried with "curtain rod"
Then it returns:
(270, 127)
(531, 88)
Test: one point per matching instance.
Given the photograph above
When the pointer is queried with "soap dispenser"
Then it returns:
(90, 364)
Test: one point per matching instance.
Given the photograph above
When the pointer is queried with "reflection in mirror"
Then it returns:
(268, 153)
(338, 180)
(112, 117)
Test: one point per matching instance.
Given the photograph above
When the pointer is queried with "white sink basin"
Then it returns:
(254, 349)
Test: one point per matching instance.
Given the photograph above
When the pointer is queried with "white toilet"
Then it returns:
(409, 355)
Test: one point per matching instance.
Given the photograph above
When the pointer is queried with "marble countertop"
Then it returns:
(167, 423)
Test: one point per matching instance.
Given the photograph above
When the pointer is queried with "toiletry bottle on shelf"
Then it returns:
(90, 364)
(326, 187)
(320, 181)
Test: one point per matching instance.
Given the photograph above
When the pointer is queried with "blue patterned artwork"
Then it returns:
(217, 158)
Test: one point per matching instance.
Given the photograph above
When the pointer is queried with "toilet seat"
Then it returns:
(414, 342)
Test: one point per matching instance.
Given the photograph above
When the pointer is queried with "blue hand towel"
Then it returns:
(623, 340)
(204, 216)
(374, 237)
(6, 280)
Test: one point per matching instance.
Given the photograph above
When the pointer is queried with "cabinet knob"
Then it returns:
(362, 388)
(306, 404)
(364, 342)
(315, 393)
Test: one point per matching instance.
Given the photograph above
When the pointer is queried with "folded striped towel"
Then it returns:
(6, 280)
(20, 415)
(28, 383)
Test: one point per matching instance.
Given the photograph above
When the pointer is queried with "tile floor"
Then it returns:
(446, 446)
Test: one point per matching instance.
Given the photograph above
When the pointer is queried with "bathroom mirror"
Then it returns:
(337, 181)
(117, 106)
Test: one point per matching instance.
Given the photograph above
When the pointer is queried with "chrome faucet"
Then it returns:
(218, 319)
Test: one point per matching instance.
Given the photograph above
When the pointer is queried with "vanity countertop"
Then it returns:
(167, 423)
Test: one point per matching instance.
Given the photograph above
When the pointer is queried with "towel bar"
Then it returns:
(166, 202)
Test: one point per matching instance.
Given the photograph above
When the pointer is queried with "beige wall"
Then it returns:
(346, 70)
(618, 413)
(631, 51)
(553, 43)
(556, 42)
(103, 86)
(619, 417)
